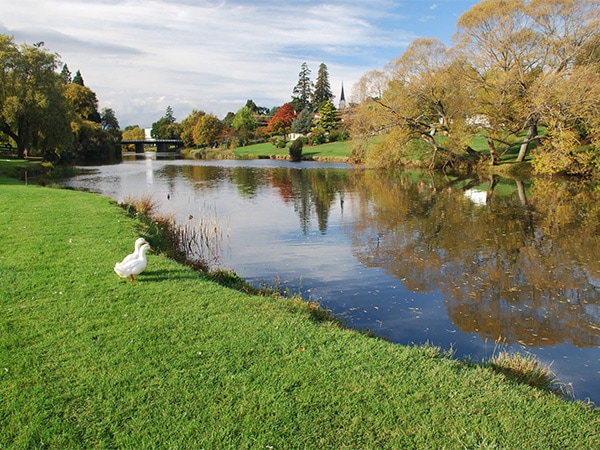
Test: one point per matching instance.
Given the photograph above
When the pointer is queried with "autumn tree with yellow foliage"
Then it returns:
(522, 74)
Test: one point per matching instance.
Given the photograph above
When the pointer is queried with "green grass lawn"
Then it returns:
(265, 150)
(174, 360)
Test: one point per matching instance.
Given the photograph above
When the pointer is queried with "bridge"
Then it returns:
(162, 145)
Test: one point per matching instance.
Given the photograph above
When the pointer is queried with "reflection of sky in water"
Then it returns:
(266, 244)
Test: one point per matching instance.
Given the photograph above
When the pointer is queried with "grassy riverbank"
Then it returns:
(174, 360)
(335, 152)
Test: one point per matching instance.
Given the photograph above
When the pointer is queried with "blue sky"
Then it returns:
(141, 56)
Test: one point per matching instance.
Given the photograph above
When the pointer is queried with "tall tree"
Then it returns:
(518, 52)
(499, 39)
(33, 109)
(303, 91)
(322, 88)
(84, 102)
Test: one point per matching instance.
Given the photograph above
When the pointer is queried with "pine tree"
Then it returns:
(66, 74)
(304, 89)
(329, 117)
(303, 123)
(78, 79)
(322, 88)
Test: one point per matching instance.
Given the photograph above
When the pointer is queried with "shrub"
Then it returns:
(278, 142)
(296, 149)
(318, 136)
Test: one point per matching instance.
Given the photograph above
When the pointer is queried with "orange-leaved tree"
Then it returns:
(281, 123)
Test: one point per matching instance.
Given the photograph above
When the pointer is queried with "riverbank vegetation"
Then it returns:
(522, 75)
(177, 360)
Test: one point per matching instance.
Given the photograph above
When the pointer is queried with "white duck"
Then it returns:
(136, 252)
(133, 266)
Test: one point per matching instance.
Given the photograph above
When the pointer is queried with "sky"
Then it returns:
(141, 56)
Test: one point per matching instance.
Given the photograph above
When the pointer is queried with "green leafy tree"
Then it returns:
(322, 88)
(244, 124)
(228, 119)
(92, 142)
(110, 123)
(34, 113)
(166, 127)
(303, 90)
(207, 130)
(258, 110)
(84, 102)
(134, 133)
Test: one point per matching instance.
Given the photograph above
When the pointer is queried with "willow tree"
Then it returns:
(423, 107)
(520, 52)
(567, 97)
(34, 113)
(501, 44)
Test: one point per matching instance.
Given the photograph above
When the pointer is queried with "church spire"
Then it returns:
(342, 99)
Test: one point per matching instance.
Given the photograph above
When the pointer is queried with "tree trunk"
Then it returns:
(20, 151)
(525, 145)
(493, 153)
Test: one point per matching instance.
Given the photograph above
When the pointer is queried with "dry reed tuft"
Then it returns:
(144, 205)
(197, 243)
(526, 369)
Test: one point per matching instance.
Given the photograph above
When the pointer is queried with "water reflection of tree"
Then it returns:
(523, 272)
(310, 190)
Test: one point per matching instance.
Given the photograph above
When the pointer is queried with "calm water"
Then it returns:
(413, 258)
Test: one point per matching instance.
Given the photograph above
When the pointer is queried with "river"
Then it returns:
(469, 265)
